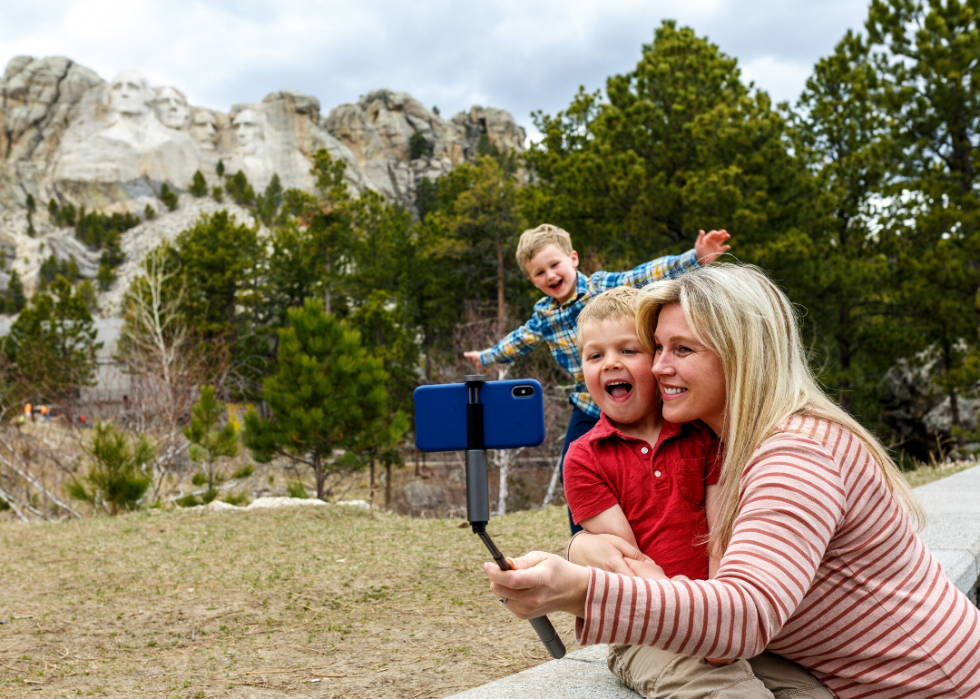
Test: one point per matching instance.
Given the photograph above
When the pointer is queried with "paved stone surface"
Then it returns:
(952, 533)
(579, 675)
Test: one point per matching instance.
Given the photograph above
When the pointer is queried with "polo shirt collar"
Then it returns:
(604, 429)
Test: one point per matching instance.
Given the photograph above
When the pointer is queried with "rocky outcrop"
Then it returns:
(66, 134)
(69, 135)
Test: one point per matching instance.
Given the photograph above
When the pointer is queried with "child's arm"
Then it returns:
(710, 246)
(612, 521)
(515, 344)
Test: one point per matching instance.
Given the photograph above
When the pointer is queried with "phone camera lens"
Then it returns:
(522, 391)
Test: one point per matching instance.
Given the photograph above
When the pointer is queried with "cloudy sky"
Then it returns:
(521, 55)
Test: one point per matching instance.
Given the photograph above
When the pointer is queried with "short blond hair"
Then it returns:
(619, 303)
(534, 240)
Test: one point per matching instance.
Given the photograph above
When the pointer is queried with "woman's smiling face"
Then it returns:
(691, 376)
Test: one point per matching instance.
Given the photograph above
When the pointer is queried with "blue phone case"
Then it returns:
(509, 421)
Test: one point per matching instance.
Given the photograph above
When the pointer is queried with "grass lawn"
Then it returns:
(311, 601)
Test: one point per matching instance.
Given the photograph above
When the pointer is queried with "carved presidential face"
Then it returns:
(129, 93)
(248, 131)
(171, 108)
(204, 128)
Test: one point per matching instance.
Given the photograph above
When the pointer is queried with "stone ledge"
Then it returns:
(952, 533)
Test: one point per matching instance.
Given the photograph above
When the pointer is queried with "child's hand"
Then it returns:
(475, 356)
(710, 246)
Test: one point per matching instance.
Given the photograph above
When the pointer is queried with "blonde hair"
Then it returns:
(743, 317)
(618, 303)
(536, 239)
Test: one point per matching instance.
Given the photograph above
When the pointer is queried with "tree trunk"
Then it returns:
(844, 357)
(387, 486)
(371, 498)
(501, 306)
(321, 477)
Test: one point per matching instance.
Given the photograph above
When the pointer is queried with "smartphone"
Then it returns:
(513, 415)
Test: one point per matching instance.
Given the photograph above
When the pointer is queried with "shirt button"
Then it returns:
(657, 474)
(645, 450)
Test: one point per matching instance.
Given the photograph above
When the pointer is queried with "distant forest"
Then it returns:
(861, 200)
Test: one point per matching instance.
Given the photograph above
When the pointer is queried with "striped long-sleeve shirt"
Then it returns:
(823, 568)
(557, 323)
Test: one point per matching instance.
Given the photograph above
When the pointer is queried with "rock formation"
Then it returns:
(70, 136)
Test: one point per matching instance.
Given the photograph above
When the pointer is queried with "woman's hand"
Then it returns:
(605, 551)
(540, 584)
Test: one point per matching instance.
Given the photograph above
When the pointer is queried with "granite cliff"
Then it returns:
(70, 136)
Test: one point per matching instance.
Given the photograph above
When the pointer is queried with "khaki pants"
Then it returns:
(660, 674)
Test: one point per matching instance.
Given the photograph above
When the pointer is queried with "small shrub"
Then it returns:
(4, 506)
(418, 145)
(168, 197)
(296, 489)
(149, 213)
(239, 499)
(31, 204)
(244, 472)
(209, 496)
(199, 478)
(198, 186)
(220, 168)
(188, 501)
(116, 476)
(217, 193)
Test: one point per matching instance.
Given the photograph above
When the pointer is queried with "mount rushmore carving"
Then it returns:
(69, 135)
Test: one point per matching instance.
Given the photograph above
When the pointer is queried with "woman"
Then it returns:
(821, 562)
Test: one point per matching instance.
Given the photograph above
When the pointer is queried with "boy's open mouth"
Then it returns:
(619, 389)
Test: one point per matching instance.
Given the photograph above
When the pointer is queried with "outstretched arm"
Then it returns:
(710, 246)
(515, 344)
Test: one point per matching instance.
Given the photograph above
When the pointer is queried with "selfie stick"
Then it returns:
(478, 501)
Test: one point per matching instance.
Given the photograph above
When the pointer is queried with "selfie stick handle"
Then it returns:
(478, 502)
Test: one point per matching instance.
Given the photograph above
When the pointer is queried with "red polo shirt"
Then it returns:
(659, 488)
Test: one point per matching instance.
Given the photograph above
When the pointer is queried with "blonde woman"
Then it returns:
(821, 563)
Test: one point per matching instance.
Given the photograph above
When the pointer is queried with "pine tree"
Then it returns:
(31, 204)
(53, 344)
(326, 393)
(14, 298)
(198, 187)
(220, 168)
(168, 197)
(209, 441)
(149, 213)
(116, 472)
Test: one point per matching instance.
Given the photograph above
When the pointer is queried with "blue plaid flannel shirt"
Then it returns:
(557, 324)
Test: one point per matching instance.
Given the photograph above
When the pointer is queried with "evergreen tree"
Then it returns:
(168, 196)
(239, 189)
(198, 187)
(149, 213)
(841, 133)
(325, 394)
(930, 56)
(220, 168)
(218, 259)
(53, 344)
(117, 472)
(209, 441)
(14, 299)
(31, 204)
(681, 145)
(217, 193)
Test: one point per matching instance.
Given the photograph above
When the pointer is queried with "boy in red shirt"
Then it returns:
(652, 483)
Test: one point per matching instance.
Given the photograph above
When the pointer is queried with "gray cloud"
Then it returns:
(516, 55)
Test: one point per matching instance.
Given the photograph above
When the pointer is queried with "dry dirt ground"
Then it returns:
(303, 602)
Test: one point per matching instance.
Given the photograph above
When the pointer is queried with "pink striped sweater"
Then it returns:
(823, 568)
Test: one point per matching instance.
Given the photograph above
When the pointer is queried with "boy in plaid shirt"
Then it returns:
(546, 256)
